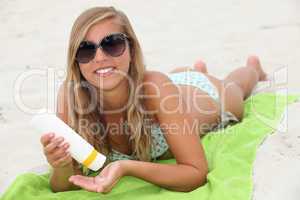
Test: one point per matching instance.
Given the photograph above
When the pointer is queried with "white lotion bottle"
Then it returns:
(80, 149)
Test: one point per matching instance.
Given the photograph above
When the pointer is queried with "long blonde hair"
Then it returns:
(78, 97)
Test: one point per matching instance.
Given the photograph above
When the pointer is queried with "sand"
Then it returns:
(34, 36)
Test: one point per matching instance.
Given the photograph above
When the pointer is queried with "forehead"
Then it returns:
(103, 28)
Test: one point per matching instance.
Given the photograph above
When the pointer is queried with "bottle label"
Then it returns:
(90, 158)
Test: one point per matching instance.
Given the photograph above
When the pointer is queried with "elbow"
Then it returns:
(203, 176)
(199, 180)
(62, 188)
(56, 189)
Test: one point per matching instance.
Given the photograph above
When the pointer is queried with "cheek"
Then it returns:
(124, 61)
(83, 69)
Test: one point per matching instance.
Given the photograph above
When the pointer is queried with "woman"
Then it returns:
(133, 115)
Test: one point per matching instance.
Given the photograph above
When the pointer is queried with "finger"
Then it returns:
(59, 154)
(53, 144)
(66, 159)
(46, 138)
(60, 151)
(87, 183)
(55, 157)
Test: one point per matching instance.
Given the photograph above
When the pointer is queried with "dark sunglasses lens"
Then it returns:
(85, 52)
(114, 45)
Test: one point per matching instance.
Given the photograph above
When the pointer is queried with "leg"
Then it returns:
(238, 85)
(247, 77)
(198, 66)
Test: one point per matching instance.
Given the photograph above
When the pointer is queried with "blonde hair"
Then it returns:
(78, 97)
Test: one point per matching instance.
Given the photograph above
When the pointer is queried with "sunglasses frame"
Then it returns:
(99, 45)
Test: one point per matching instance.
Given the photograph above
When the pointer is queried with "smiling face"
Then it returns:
(104, 71)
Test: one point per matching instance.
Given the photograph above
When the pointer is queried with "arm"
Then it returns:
(191, 168)
(178, 177)
(59, 176)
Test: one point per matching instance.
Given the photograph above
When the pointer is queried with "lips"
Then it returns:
(105, 71)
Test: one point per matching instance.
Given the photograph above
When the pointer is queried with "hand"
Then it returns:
(104, 182)
(55, 150)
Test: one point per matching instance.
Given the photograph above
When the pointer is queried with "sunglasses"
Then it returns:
(112, 45)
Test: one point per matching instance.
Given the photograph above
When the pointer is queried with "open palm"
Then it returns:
(104, 182)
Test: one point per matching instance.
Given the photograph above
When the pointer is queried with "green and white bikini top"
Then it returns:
(159, 146)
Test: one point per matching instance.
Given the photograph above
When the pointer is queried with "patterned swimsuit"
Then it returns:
(159, 146)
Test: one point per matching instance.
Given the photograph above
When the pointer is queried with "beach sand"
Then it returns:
(35, 35)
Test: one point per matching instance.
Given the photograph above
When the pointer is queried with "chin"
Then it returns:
(108, 84)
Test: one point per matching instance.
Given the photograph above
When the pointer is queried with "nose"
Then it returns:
(100, 55)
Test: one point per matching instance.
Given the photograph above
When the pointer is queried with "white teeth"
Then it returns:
(103, 71)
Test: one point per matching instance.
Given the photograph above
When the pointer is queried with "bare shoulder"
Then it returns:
(155, 82)
(155, 77)
(155, 86)
(158, 90)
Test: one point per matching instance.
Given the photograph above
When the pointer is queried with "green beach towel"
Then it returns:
(230, 153)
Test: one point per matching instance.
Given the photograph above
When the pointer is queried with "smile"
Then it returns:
(105, 71)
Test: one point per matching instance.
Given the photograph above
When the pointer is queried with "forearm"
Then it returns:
(59, 180)
(176, 177)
